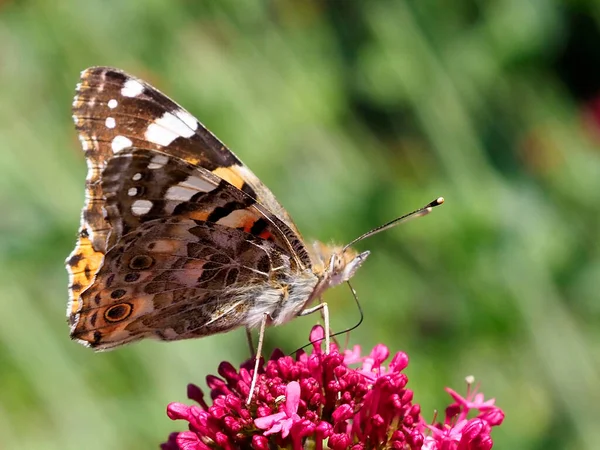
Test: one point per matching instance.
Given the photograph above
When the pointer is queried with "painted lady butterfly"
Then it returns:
(178, 238)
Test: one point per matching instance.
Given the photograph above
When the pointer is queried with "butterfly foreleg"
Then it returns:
(323, 308)
(250, 342)
(261, 336)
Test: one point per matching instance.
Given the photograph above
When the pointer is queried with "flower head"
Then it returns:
(317, 400)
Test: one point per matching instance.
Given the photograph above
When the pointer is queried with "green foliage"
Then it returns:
(352, 113)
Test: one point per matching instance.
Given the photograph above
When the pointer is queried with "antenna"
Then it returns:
(405, 218)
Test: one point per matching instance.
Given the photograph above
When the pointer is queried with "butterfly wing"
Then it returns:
(178, 278)
(114, 111)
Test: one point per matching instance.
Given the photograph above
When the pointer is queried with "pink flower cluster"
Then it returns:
(317, 401)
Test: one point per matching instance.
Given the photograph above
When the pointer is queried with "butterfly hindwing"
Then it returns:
(179, 278)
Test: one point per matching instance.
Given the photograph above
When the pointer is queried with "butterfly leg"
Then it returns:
(261, 336)
(325, 312)
(332, 334)
(250, 342)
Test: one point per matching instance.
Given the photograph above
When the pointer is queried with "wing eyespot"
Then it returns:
(141, 262)
(118, 313)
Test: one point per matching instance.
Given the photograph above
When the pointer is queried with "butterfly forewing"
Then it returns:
(116, 110)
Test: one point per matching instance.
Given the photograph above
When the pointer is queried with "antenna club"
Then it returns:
(437, 202)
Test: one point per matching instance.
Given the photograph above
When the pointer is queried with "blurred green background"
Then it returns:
(352, 113)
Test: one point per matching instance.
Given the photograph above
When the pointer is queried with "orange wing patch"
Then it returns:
(82, 265)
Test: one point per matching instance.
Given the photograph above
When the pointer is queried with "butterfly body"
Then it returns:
(178, 239)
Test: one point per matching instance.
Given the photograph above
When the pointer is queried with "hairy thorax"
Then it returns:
(288, 297)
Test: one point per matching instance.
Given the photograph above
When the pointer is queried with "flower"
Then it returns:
(459, 433)
(318, 401)
(282, 422)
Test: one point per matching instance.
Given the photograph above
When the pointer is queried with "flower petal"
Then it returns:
(292, 398)
(317, 335)
(267, 422)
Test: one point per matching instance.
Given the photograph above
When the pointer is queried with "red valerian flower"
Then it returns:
(282, 422)
(318, 401)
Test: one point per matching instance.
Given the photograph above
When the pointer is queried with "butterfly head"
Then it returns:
(344, 264)
(339, 263)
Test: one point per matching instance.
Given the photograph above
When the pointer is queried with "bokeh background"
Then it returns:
(352, 112)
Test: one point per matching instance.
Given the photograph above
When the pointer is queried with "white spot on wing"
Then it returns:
(92, 173)
(110, 122)
(112, 103)
(84, 143)
(159, 135)
(136, 177)
(188, 119)
(94, 140)
(141, 207)
(179, 193)
(187, 188)
(119, 143)
(132, 88)
(197, 183)
(132, 192)
(169, 127)
(158, 161)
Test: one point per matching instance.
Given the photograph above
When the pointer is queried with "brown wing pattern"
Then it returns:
(143, 117)
(114, 112)
(176, 279)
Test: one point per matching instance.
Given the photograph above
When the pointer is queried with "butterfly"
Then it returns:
(178, 238)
